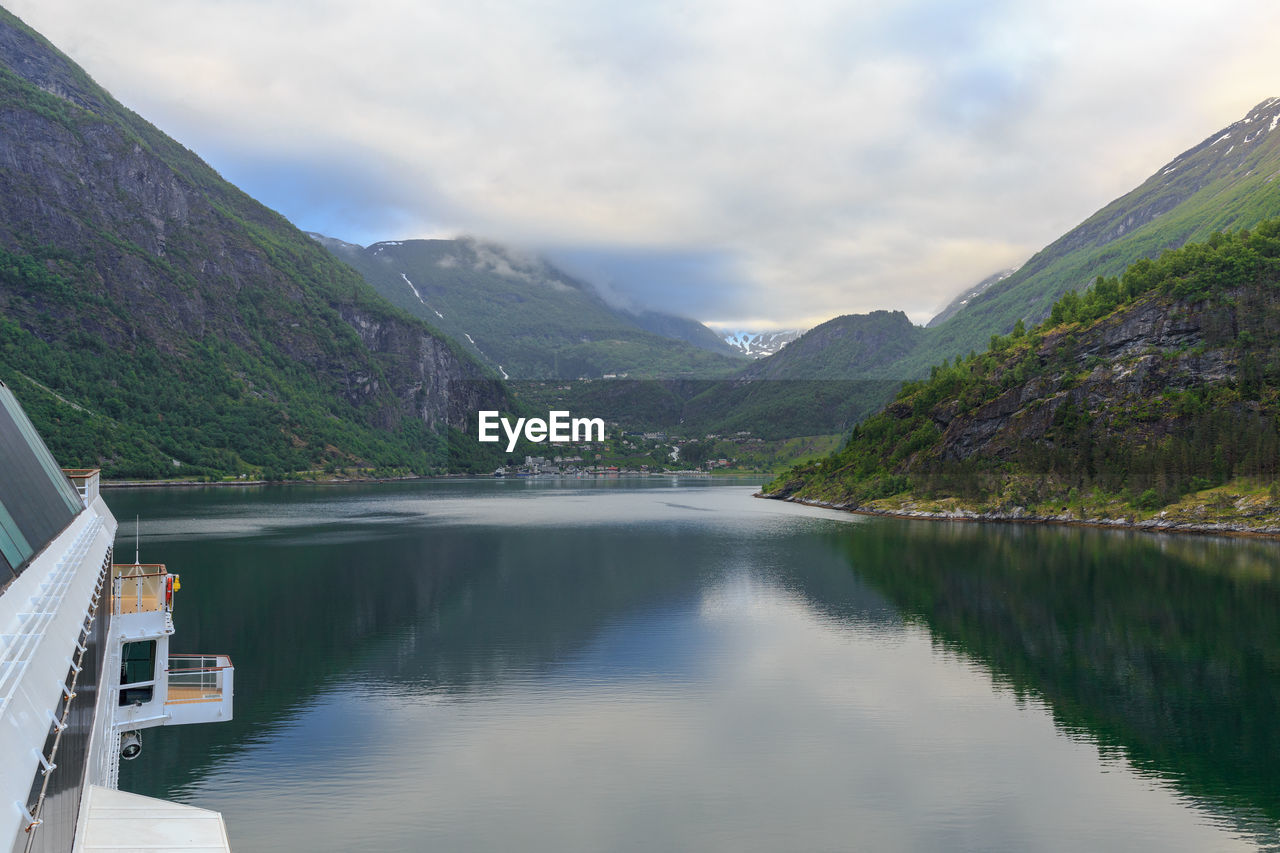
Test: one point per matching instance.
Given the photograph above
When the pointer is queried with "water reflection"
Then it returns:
(489, 666)
(1165, 650)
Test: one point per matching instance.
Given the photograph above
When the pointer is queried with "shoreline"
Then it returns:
(1149, 526)
(187, 484)
(350, 481)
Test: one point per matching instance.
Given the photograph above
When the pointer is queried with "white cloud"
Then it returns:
(844, 156)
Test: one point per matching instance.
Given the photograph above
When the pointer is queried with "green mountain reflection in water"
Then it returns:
(473, 665)
(1164, 648)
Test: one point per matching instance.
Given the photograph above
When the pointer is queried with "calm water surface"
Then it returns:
(467, 665)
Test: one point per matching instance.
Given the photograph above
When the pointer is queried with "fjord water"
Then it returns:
(655, 665)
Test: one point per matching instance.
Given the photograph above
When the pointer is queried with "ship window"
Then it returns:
(137, 665)
(37, 501)
(13, 545)
(58, 480)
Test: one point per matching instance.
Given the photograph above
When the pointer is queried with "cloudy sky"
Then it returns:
(747, 163)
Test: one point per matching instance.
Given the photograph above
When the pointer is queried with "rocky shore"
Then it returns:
(1018, 515)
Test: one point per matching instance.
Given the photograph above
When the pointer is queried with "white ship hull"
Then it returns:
(85, 661)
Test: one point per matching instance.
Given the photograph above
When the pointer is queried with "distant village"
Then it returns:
(639, 454)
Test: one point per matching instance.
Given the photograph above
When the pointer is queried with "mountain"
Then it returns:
(1227, 181)
(803, 390)
(760, 344)
(843, 370)
(526, 318)
(848, 346)
(1158, 389)
(969, 295)
(156, 321)
(682, 329)
(821, 383)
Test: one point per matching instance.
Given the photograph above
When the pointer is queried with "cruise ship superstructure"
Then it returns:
(85, 665)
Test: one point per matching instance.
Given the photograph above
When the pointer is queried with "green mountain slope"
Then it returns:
(806, 389)
(527, 319)
(773, 398)
(848, 346)
(157, 321)
(683, 329)
(1147, 391)
(1228, 181)
(967, 296)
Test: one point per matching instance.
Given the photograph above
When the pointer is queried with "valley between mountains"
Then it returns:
(160, 324)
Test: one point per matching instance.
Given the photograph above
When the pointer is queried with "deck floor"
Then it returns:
(192, 693)
(118, 821)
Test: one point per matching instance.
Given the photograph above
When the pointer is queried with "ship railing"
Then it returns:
(192, 689)
(198, 678)
(200, 689)
(86, 482)
(138, 588)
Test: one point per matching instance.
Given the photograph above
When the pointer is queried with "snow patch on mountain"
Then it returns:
(419, 295)
(760, 344)
(414, 289)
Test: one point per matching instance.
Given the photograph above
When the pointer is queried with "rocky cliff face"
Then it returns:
(126, 258)
(1156, 348)
(423, 371)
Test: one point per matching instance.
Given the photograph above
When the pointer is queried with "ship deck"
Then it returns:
(118, 821)
(181, 693)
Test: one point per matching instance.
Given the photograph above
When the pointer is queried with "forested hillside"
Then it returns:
(156, 321)
(1148, 389)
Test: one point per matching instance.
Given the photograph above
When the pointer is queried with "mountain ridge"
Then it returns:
(968, 295)
(529, 319)
(1201, 190)
(199, 332)
(1207, 187)
(828, 351)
